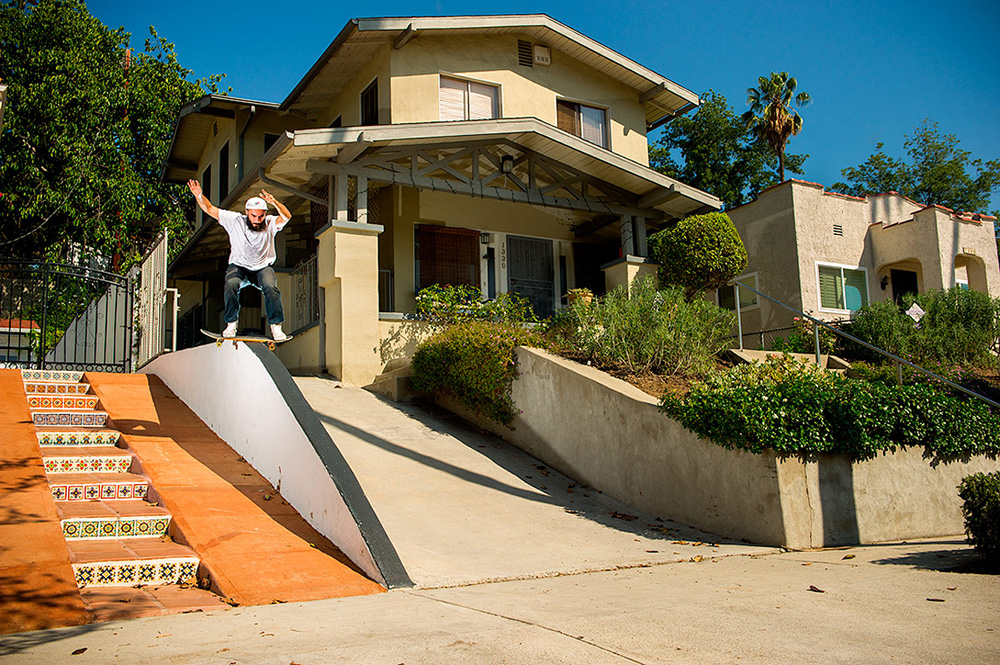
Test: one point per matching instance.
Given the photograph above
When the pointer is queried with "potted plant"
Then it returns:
(584, 295)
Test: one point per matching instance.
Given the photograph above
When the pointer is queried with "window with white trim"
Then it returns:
(468, 100)
(588, 122)
(842, 288)
(748, 299)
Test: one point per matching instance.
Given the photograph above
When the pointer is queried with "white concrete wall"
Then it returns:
(232, 392)
(609, 435)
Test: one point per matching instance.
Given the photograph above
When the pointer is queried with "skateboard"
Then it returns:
(219, 339)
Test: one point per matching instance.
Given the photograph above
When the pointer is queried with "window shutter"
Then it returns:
(452, 95)
(831, 294)
(855, 289)
(482, 101)
(592, 121)
(447, 256)
(566, 117)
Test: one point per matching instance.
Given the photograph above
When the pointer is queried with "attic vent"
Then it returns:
(838, 229)
(525, 54)
(215, 129)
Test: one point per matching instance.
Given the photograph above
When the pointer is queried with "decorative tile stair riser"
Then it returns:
(128, 573)
(82, 438)
(50, 375)
(69, 418)
(120, 527)
(88, 464)
(62, 401)
(98, 491)
(39, 388)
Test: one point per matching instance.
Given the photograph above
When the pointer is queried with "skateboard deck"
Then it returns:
(219, 339)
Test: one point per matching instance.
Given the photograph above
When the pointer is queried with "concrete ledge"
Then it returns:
(248, 398)
(611, 436)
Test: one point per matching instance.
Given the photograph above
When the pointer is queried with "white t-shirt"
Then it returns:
(252, 250)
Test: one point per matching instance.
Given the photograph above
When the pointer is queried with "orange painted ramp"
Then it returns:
(37, 586)
(256, 547)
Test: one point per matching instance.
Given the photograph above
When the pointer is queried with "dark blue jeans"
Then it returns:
(264, 279)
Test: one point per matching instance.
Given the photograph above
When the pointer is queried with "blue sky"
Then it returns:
(874, 69)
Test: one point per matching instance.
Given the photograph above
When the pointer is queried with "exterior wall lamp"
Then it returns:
(485, 238)
(507, 164)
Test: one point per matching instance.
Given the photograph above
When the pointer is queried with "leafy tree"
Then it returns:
(86, 130)
(699, 253)
(771, 117)
(938, 172)
(720, 155)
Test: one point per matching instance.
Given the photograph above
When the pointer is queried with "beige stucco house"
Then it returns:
(508, 152)
(828, 254)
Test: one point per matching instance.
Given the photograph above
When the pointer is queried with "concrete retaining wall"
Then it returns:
(609, 435)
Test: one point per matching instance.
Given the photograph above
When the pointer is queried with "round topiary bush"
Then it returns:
(700, 253)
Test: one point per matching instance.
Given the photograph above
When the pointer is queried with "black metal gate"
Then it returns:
(531, 272)
(61, 316)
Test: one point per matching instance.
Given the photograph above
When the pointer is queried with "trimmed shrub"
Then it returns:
(980, 493)
(700, 253)
(474, 363)
(793, 408)
(644, 329)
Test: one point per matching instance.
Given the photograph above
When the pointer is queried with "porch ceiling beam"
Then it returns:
(658, 197)
(594, 225)
(476, 189)
(350, 152)
(650, 94)
(290, 189)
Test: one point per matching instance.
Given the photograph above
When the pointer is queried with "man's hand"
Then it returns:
(203, 202)
(282, 210)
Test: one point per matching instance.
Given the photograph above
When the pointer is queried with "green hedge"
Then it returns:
(791, 408)
(473, 362)
(981, 508)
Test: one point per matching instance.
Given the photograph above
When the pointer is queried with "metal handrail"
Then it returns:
(816, 323)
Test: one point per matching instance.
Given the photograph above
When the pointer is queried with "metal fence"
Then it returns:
(767, 340)
(305, 295)
(61, 316)
(151, 291)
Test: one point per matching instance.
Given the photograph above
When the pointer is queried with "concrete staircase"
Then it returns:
(394, 381)
(116, 534)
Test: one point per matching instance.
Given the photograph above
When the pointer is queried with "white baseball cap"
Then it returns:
(256, 203)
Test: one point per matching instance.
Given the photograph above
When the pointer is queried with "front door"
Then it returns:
(530, 272)
(903, 282)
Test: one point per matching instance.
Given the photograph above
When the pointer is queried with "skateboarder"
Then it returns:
(251, 253)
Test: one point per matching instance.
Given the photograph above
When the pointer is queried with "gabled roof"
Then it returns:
(193, 129)
(361, 38)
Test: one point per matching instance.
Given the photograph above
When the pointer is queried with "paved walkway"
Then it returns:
(462, 507)
(890, 603)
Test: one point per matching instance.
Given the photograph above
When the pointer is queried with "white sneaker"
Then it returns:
(277, 334)
(230, 330)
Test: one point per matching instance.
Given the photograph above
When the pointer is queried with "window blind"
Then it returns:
(482, 101)
(452, 99)
(447, 256)
(855, 289)
(831, 292)
(592, 125)
(566, 117)
(467, 100)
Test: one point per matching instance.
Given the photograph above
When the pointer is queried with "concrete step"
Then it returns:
(70, 436)
(55, 388)
(395, 388)
(396, 363)
(115, 603)
(67, 418)
(62, 402)
(51, 375)
(112, 519)
(86, 459)
(97, 486)
(131, 561)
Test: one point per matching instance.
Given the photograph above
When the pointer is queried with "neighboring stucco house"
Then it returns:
(508, 152)
(829, 254)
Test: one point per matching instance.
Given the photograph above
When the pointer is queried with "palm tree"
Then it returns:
(771, 117)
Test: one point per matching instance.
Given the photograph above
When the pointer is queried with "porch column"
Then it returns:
(347, 271)
(627, 234)
(640, 236)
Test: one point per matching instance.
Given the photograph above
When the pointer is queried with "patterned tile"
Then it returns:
(98, 491)
(123, 527)
(129, 573)
(56, 388)
(84, 438)
(71, 419)
(62, 401)
(88, 464)
(50, 375)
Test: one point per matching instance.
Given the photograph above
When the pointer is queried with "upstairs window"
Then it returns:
(468, 100)
(842, 288)
(224, 172)
(588, 122)
(369, 104)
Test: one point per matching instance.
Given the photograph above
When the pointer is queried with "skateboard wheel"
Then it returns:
(218, 342)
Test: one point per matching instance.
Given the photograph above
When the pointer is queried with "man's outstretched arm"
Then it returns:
(202, 200)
